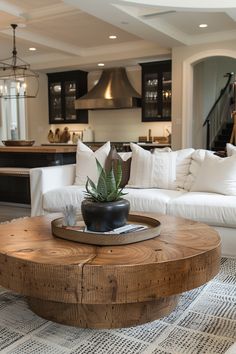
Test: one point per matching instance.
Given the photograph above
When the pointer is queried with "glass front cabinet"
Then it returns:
(156, 91)
(63, 89)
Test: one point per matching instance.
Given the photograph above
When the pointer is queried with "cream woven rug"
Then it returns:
(203, 323)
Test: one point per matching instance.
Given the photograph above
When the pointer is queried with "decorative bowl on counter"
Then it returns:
(18, 142)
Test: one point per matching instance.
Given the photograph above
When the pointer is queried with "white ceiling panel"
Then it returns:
(188, 22)
(82, 30)
(75, 32)
(33, 4)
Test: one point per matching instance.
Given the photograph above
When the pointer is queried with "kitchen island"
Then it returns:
(37, 156)
(16, 161)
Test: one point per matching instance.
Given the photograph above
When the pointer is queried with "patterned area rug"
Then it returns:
(203, 323)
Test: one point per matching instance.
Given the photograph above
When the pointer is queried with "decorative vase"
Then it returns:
(102, 217)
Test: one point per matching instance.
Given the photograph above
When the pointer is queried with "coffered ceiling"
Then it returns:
(70, 34)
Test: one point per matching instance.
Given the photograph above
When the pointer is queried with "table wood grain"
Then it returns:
(106, 286)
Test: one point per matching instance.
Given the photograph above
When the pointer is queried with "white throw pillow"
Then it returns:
(86, 163)
(151, 170)
(197, 159)
(183, 160)
(216, 175)
(231, 149)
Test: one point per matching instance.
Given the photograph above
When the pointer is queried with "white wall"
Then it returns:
(114, 125)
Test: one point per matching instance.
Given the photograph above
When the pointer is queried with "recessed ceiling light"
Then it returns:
(101, 64)
(112, 37)
(32, 49)
(203, 25)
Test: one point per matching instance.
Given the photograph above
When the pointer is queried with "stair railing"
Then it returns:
(220, 111)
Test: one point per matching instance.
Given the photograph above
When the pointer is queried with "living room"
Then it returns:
(174, 290)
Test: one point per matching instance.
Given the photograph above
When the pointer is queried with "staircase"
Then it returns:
(223, 137)
(218, 122)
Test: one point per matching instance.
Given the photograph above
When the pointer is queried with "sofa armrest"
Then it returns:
(43, 179)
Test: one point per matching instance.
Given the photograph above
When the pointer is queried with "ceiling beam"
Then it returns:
(10, 9)
(157, 24)
(107, 56)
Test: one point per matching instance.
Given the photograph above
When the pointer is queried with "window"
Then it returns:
(13, 116)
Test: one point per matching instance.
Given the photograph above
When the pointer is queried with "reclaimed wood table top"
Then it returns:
(35, 263)
(106, 286)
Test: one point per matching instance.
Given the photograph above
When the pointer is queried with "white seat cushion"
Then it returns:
(153, 200)
(150, 200)
(213, 209)
(56, 199)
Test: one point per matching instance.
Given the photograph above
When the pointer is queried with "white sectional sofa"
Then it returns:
(53, 187)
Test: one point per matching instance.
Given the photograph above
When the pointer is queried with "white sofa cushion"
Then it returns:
(231, 149)
(86, 162)
(213, 209)
(56, 199)
(151, 200)
(183, 160)
(216, 175)
(197, 159)
(150, 170)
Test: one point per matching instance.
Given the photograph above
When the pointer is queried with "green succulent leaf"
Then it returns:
(90, 185)
(102, 186)
(107, 188)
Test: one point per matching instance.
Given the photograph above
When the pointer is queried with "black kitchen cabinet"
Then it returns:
(63, 89)
(156, 91)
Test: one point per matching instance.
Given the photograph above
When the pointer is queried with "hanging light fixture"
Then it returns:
(16, 78)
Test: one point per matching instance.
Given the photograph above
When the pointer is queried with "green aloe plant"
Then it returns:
(108, 185)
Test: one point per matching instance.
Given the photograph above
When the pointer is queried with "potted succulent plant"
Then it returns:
(103, 208)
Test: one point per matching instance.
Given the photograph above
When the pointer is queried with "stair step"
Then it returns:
(226, 130)
(219, 144)
(229, 124)
(224, 137)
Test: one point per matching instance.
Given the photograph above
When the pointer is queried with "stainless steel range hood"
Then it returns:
(113, 91)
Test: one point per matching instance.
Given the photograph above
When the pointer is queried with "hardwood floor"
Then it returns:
(9, 212)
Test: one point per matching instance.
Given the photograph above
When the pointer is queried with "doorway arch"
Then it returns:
(187, 96)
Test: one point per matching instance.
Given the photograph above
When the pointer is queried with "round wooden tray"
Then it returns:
(152, 231)
(18, 142)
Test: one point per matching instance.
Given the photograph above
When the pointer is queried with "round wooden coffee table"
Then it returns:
(103, 286)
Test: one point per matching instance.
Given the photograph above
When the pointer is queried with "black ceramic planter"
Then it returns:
(101, 217)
